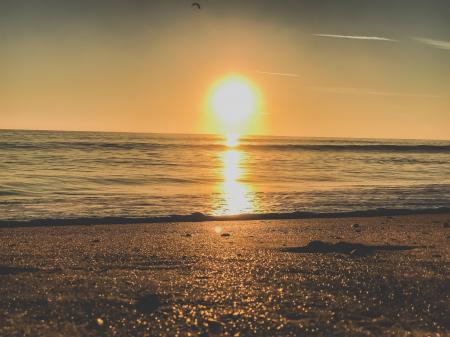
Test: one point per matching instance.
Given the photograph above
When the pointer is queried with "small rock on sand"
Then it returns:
(215, 327)
(360, 252)
(225, 234)
(148, 303)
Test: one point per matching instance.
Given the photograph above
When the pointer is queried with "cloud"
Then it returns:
(434, 43)
(358, 91)
(278, 74)
(357, 37)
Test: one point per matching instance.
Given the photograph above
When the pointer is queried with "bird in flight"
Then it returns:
(196, 5)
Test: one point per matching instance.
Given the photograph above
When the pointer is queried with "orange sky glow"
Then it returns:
(324, 78)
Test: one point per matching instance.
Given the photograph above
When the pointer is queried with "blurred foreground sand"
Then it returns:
(226, 279)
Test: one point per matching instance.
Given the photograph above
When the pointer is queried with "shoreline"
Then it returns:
(200, 217)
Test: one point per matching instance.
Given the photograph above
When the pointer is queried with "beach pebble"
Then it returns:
(188, 235)
(148, 303)
(355, 226)
(215, 327)
(225, 234)
(354, 252)
(359, 252)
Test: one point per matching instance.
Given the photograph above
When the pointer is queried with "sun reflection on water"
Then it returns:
(235, 197)
(232, 140)
(231, 169)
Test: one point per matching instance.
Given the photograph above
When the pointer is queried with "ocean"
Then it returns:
(96, 175)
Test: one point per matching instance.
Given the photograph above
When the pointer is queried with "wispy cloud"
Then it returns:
(357, 37)
(358, 91)
(434, 43)
(278, 74)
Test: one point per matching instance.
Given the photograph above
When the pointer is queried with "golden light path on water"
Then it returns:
(235, 197)
(233, 107)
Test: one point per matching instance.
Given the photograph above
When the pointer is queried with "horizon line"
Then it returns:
(218, 134)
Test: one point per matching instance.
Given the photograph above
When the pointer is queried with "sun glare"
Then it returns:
(233, 103)
(232, 140)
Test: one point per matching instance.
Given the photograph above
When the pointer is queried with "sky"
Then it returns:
(366, 69)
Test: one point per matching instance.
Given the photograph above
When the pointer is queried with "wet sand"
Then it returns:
(238, 278)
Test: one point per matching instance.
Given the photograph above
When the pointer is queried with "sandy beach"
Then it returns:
(224, 168)
(253, 278)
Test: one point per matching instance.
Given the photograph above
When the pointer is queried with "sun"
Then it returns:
(233, 103)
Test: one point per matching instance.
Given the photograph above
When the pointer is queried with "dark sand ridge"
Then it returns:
(265, 278)
(357, 249)
(200, 217)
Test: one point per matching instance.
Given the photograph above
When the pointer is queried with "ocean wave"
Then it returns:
(400, 148)
(200, 217)
(370, 148)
